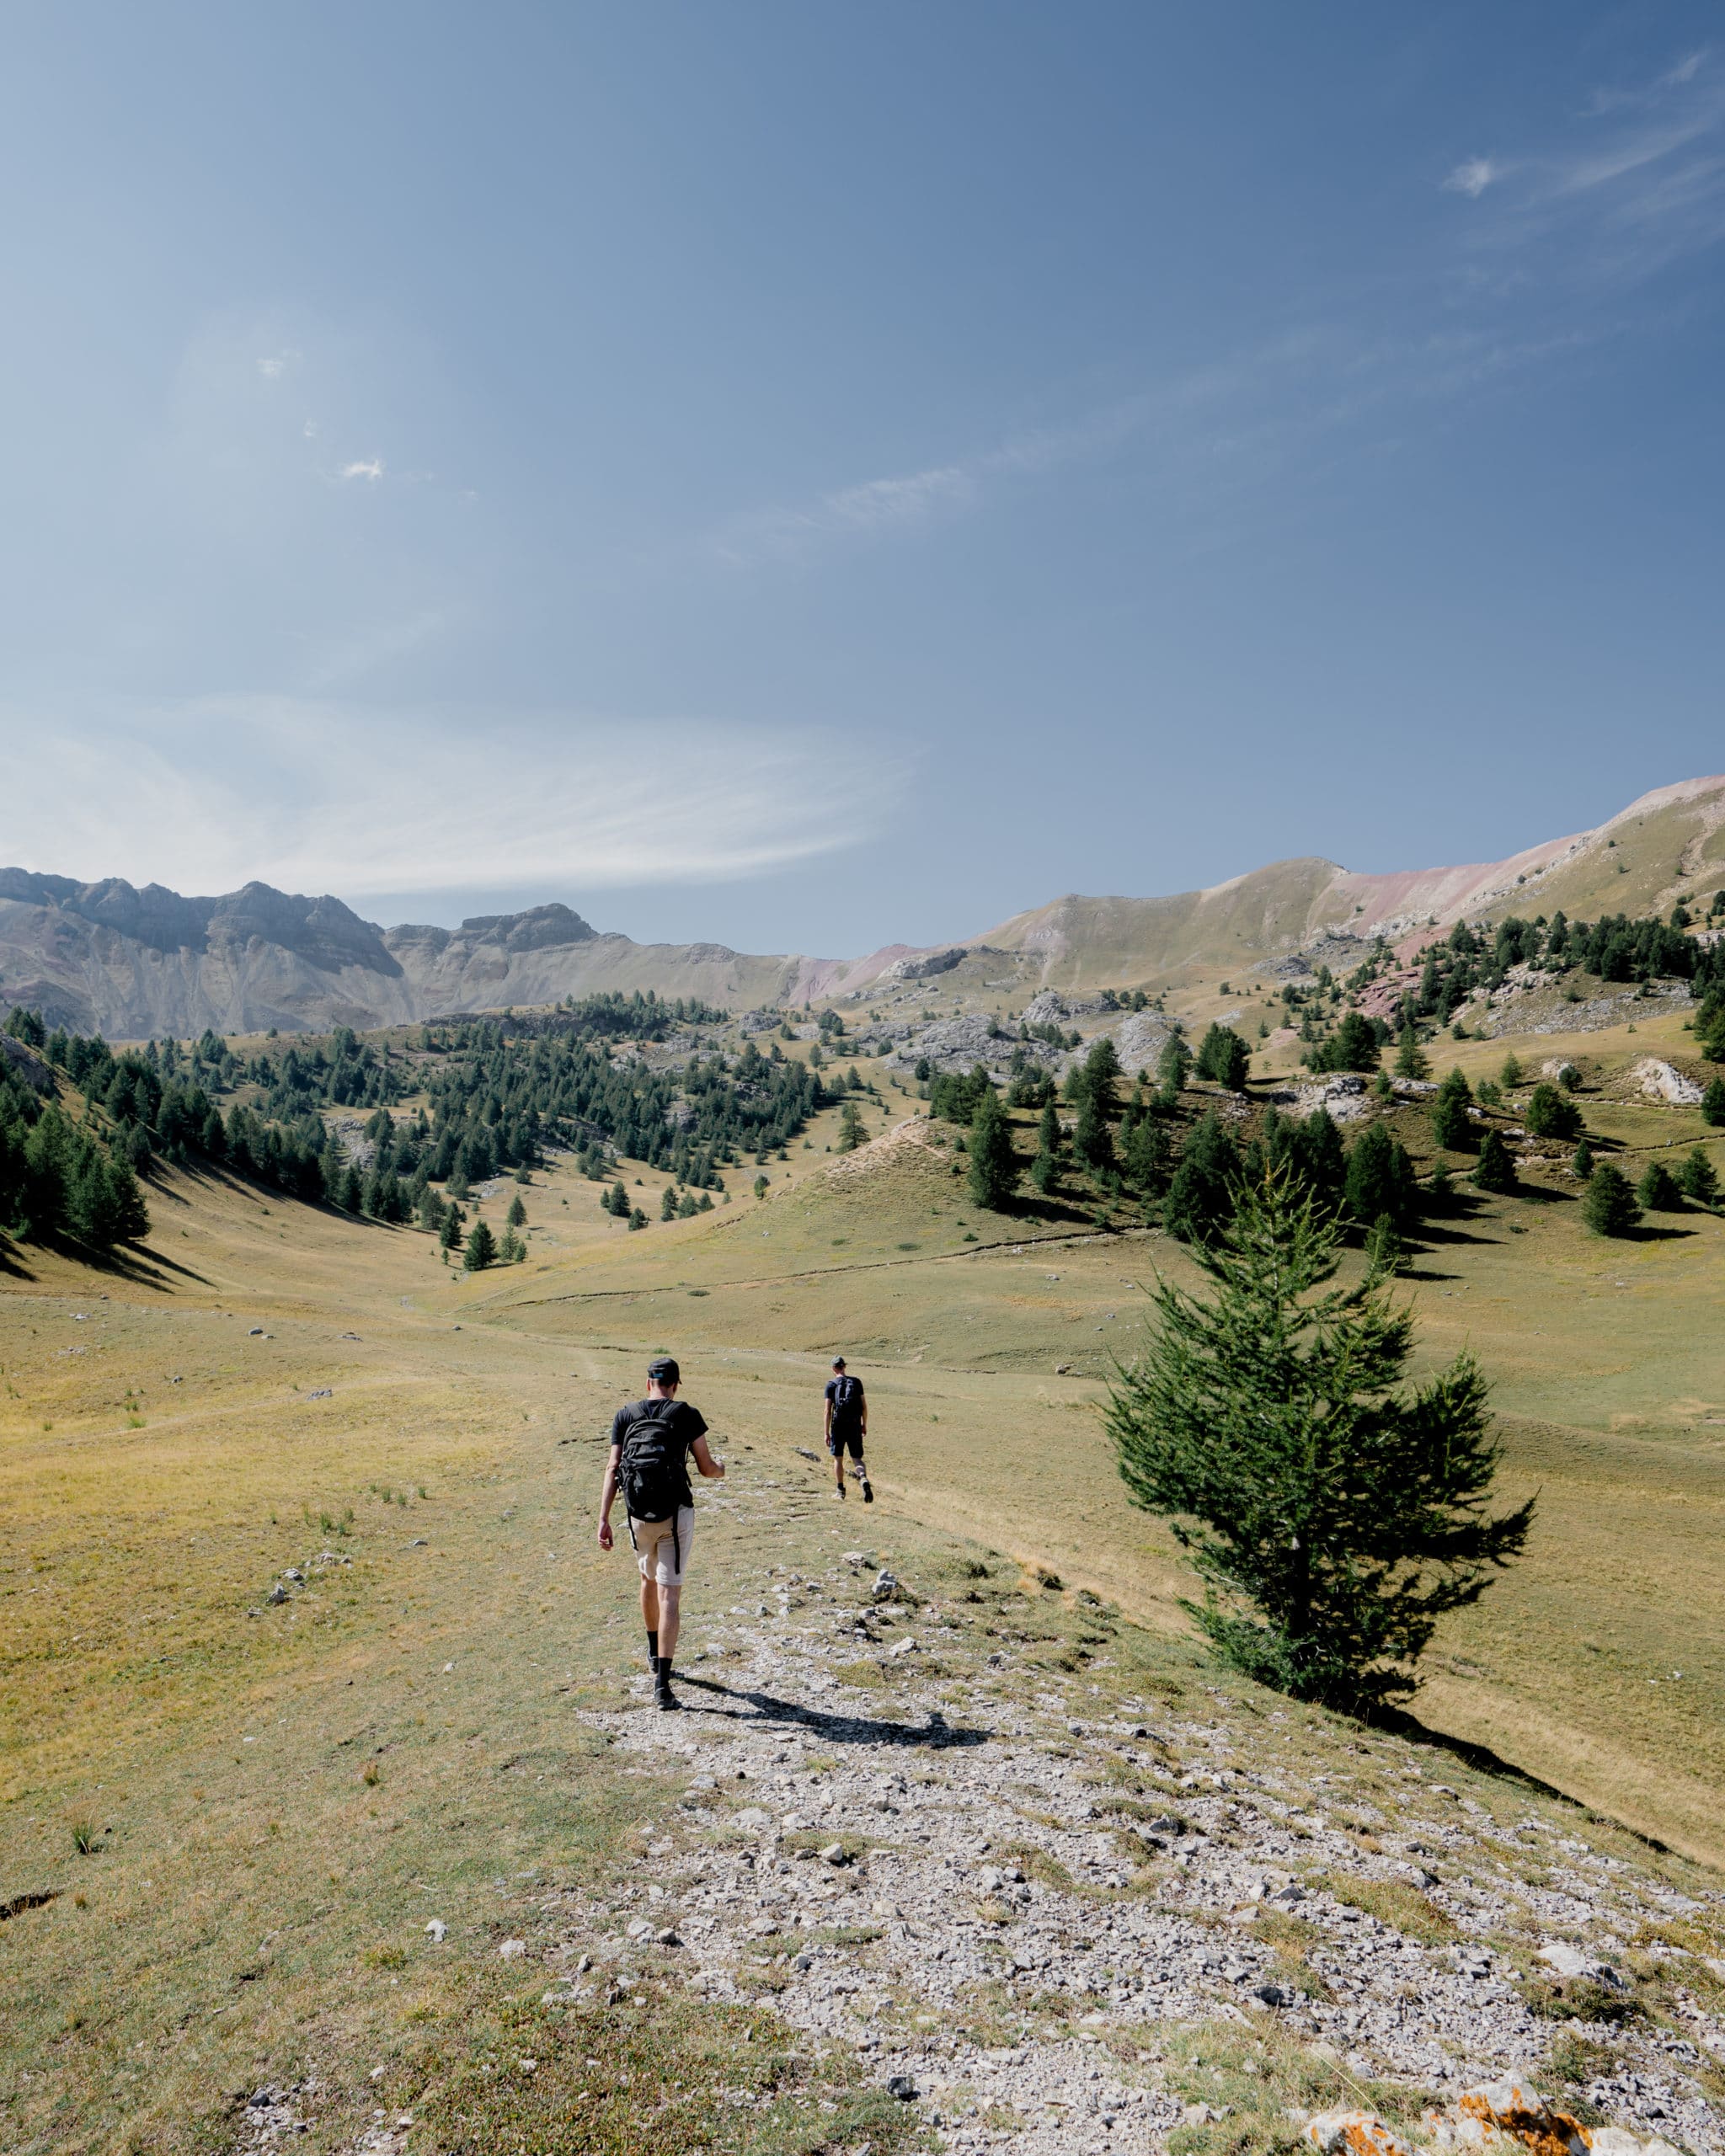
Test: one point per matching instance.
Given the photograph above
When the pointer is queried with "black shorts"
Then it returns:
(846, 1441)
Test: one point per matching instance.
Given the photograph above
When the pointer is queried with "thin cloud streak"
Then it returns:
(343, 798)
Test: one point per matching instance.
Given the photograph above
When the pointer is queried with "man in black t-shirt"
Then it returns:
(847, 1426)
(651, 1441)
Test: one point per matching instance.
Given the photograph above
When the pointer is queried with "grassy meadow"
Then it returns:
(247, 1812)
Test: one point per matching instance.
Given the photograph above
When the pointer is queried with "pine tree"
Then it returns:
(992, 1171)
(1380, 1182)
(1608, 1205)
(1173, 1065)
(1384, 1251)
(616, 1201)
(352, 1197)
(1410, 1057)
(1353, 1046)
(1333, 1515)
(686, 1207)
(1146, 1156)
(1099, 1077)
(1657, 1190)
(1713, 1101)
(1509, 1074)
(1698, 1179)
(1201, 1195)
(1092, 1139)
(449, 1235)
(1550, 1113)
(638, 1219)
(667, 1204)
(517, 1214)
(1495, 1169)
(1582, 1161)
(1452, 1128)
(1223, 1058)
(510, 1248)
(482, 1248)
(762, 1186)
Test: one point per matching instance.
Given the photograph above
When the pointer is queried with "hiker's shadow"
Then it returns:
(937, 1734)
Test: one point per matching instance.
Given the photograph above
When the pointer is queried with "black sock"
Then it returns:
(664, 1671)
(653, 1645)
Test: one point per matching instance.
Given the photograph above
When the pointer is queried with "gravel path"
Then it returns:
(1018, 1892)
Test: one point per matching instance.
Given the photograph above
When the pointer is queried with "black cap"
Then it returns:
(663, 1370)
(838, 1362)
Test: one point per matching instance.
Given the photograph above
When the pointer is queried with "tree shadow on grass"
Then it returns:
(1397, 1721)
(12, 1264)
(936, 1734)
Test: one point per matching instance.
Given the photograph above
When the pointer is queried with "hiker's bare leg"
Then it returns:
(671, 1603)
(649, 1605)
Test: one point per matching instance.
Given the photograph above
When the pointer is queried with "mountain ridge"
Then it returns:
(107, 956)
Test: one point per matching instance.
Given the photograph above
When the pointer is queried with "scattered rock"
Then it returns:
(437, 1931)
(512, 1949)
(1660, 1082)
(278, 1594)
(903, 2087)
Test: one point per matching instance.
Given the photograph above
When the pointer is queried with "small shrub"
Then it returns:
(85, 1837)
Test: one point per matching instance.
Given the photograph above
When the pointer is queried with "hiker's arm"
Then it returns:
(826, 1426)
(865, 1415)
(711, 1468)
(608, 1496)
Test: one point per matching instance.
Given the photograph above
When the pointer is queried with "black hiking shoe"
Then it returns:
(869, 1493)
(666, 1700)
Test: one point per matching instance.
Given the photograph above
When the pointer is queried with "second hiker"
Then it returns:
(651, 1440)
(847, 1426)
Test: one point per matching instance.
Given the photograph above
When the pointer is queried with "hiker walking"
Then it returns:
(847, 1426)
(650, 1442)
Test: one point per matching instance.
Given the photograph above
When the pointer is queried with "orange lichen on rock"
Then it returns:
(1354, 2133)
(1517, 2111)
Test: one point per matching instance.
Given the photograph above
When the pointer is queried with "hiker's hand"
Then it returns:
(604, 1537)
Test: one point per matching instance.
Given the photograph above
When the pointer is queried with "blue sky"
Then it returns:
(809, 477)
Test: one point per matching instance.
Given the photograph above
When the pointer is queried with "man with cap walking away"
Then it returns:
(651, 1440)
(847, 1426)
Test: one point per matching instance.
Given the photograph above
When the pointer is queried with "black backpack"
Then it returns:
(847, 1400)
(652, 1473)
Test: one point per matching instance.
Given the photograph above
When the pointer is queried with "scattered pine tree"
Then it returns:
(1495, 1169)
(1698, 1179)
(1200, 1197)
(1608, 1204)
(992, 1169)
(1452, 1128)
(1333, 1515)
(1551, 1113)
(1657, 1191)
(482, 1248)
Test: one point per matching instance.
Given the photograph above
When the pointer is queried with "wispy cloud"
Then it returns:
(1473, 178)
(203, 796)
(1634, 183)
(367, 467)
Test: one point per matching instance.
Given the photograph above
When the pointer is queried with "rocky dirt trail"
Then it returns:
(1052, 1912)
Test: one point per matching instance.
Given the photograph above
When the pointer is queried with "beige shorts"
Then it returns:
(664, 1558)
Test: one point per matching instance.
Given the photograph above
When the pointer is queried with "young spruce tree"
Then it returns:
(1608, 1205)
(993, 1166)
(1333, 1514)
